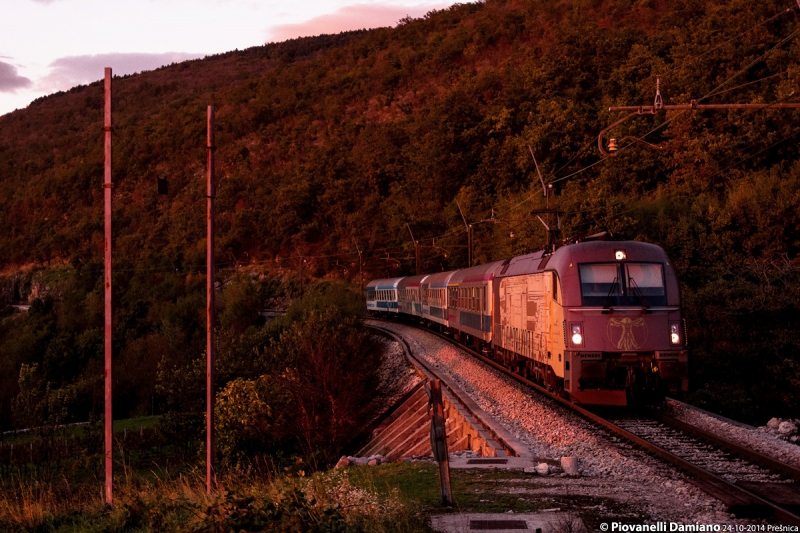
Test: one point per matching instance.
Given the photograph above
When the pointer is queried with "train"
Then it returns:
(597, 321)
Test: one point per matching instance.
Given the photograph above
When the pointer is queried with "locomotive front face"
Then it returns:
(623, 331)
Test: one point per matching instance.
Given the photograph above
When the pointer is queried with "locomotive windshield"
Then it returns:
(620, 284)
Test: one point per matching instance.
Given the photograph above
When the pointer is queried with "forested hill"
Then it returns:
(323, 140)
(330, 142)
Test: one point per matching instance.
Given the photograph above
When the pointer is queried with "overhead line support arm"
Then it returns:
(641, 110)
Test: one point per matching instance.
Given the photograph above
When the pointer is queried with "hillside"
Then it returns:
(333, 142)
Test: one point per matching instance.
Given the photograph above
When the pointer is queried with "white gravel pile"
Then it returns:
(757, 439)
(396, 375)
(610, 468)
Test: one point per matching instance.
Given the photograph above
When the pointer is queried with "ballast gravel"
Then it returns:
(610, 468)
(757, 439)
(396, 376)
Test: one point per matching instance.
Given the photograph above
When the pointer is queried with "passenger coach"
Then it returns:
(382, 295)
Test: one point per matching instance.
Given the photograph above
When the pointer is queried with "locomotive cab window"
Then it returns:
(647, 279)
(622, 284)
(556, 284)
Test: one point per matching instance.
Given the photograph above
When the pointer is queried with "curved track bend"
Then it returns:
(749, 483)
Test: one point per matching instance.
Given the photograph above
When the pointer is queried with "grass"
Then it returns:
(135, 424)
(326, 501)
(119, 426)
(480, 491)
(397, 497)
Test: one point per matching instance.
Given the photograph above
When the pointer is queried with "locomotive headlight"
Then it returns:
(675, 332)
(577, 334)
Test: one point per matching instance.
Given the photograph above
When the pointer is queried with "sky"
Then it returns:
(53, 45)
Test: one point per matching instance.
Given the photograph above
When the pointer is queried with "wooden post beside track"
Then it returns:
(439, 439)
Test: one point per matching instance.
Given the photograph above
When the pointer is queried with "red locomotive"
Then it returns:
(598, 321)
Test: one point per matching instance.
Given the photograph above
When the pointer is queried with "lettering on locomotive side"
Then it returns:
(523, 318)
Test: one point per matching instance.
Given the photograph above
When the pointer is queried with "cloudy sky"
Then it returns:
(52, 45)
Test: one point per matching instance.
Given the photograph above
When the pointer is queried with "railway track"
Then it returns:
(509, 444)
(750, 484)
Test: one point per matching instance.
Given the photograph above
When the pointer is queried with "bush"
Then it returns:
(250, 418)
(319, 375)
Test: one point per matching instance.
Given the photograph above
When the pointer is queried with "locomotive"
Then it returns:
(597, 321)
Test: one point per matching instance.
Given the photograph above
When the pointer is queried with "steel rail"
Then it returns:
(746, 453)
(739, 500)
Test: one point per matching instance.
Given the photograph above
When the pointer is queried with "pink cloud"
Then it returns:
(67, 72)
(354, 17)
(10, 81)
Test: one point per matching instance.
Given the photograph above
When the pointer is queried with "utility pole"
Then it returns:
(108, 419)
(547, 190)
(416, 247)
(210, 194)
(469, 235)
(360, 277)
(302, 263)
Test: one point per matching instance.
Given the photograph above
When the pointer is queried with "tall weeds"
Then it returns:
(326, 501)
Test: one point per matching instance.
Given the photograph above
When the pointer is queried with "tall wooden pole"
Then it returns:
(210, 306)
(107, 283)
